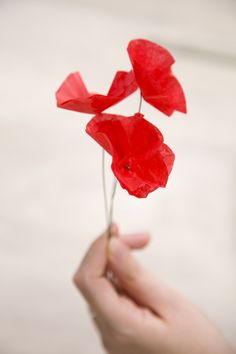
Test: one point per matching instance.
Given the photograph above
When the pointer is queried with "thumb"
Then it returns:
(137, 282)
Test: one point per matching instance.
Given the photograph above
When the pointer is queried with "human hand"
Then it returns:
(136, 313)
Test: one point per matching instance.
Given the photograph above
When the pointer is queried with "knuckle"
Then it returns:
(136, 278)
(106, 343)
(123, 337)
(76, 278)
(79, 279)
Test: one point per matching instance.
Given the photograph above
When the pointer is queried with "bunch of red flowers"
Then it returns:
(141, 161)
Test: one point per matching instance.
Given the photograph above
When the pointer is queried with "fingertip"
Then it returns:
(114, 230)
(138, 240)
(145, 236)
(112, 245)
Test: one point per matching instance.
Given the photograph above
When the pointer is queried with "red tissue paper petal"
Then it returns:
(152, 68)
(140, 160)
(73, 94)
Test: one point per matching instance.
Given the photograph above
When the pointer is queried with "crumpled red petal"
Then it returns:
(73, 94)
(152, 68)
(140, 160)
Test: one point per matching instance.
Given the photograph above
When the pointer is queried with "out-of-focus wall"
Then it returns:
(51, 204)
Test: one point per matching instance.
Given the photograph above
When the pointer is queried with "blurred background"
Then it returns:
(51, 205)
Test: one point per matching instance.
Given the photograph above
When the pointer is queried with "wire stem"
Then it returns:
(111, 207)
(104, 186)
(140, 102)
(108, 209)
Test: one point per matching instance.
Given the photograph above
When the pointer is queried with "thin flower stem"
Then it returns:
(112, 207)
(108, 213)
(140, 102)
(104, 186)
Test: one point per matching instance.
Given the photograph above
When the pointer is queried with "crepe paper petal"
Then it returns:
(73, 94)
(140, 160)
(152, 68)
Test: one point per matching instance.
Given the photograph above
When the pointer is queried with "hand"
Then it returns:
(136, 313)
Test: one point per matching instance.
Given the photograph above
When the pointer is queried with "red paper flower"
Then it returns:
(152, 69)
(73, 94)
(140, 160)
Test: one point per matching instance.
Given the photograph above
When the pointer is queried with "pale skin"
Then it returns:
(135, 313)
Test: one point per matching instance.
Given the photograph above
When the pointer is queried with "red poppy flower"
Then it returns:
(152, 68)
(73, 94)
(140, 160)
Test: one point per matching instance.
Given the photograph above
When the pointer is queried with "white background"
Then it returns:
(51, 204)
